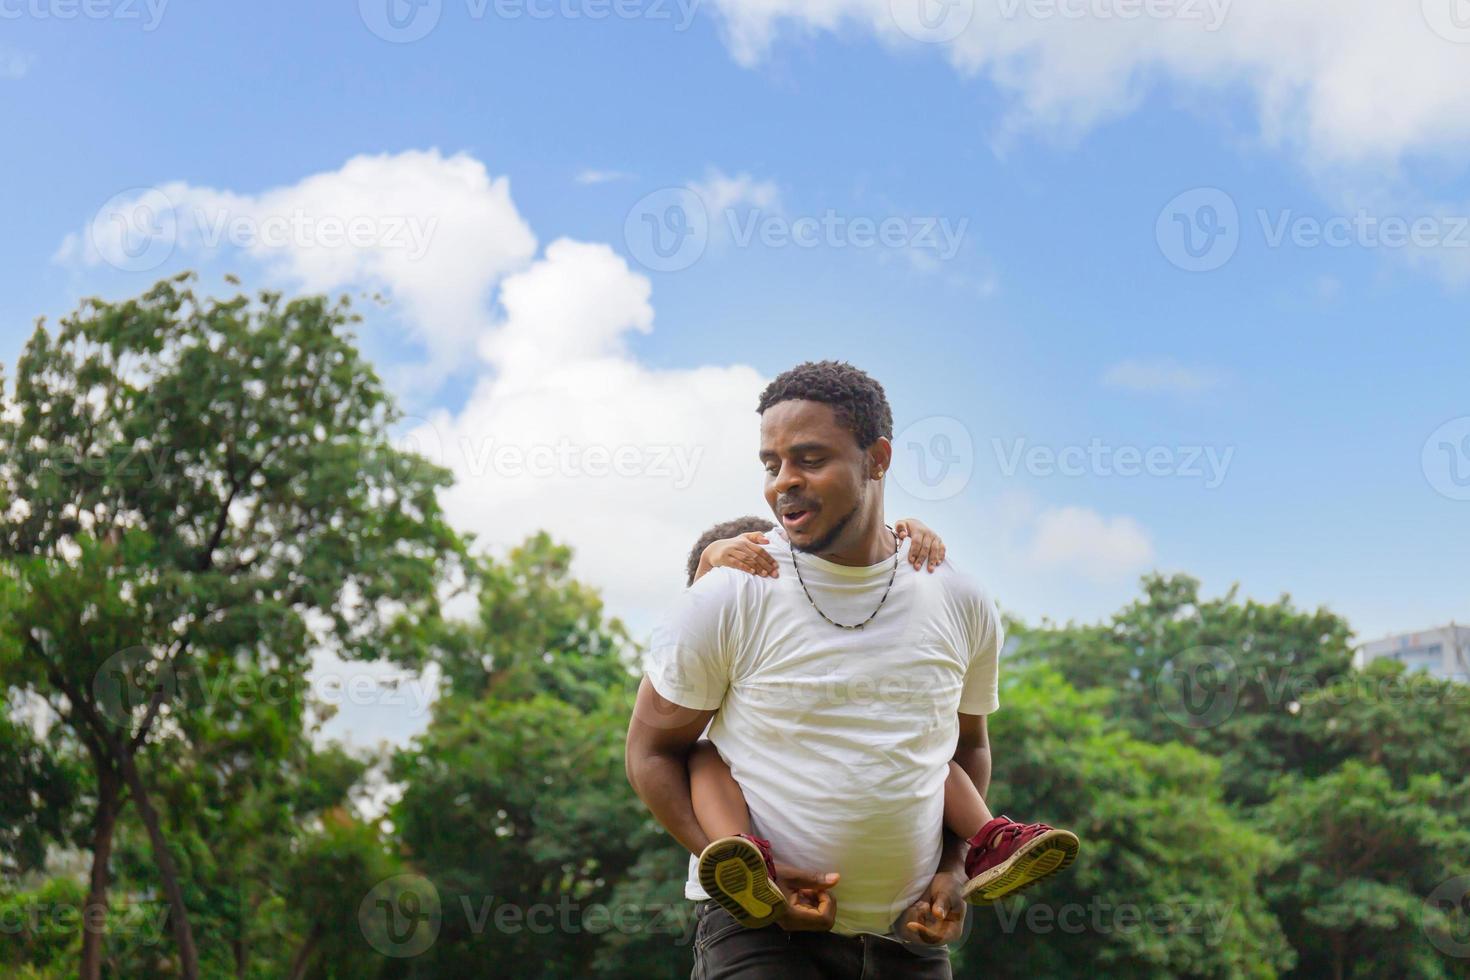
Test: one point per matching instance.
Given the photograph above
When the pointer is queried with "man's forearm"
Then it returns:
(662, 783)
(952, 857)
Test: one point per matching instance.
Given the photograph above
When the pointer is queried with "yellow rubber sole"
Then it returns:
(1039, 859)
(733, 873)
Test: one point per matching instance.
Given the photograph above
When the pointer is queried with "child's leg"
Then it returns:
(719, 804)
(965, 811)
(736, 872)
(1010, 856)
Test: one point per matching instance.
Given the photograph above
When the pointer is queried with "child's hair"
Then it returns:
(725, 529)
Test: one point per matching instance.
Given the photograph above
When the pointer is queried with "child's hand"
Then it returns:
(742, 553)
(926, 547)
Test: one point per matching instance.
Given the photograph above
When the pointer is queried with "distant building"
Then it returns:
(1443, 652)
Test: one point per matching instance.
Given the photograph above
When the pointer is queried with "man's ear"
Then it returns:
(880, 458)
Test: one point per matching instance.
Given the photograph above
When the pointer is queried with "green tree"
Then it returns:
(321, 883)
(515, 803)
(40, 928)
(190, 487)
(39, 786)
(1363, 857)
(539, 631)
(1408, 724)
(1165, 884)
(1222, 675)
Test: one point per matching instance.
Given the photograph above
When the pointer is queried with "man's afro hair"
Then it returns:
(858, 400)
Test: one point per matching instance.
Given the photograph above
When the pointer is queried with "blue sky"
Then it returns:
(1052, 147)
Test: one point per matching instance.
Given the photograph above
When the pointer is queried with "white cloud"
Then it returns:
(601, 176)
(720, 192)
(1315, 69)
(1160, 374)
(567, 431)
(733, 202)
(564, 428)
(436, 233)
(14, 64)
(1311, 71)
(1082, 541)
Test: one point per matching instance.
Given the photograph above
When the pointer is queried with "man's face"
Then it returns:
(817, 479)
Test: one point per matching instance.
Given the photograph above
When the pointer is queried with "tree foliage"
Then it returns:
(198, 497)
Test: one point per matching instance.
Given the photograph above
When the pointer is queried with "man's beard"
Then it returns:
(824, 543)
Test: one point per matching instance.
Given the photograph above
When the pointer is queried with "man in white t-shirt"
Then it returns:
(837, 691)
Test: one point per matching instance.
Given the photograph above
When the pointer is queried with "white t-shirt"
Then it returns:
(840, 739)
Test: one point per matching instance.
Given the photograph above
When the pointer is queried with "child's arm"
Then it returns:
(742, 552)
(927, 546)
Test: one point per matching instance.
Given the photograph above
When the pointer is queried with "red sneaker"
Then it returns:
(1006, 857)
(738, 873)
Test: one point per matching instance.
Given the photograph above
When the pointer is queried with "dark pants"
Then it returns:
(726, 950)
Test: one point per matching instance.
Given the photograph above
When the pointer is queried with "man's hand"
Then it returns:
(938, 916)
(810, 907)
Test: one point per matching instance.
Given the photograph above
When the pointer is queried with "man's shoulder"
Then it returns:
(961, 587)
(729, 588)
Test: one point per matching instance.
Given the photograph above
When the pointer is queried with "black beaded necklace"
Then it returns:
(844, 626)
